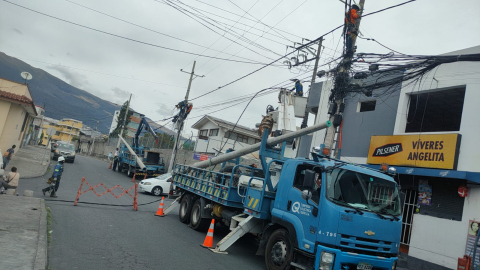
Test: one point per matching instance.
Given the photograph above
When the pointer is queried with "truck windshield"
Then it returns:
(364, 192)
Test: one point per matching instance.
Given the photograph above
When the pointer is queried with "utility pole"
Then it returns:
(339, 86)
(124, 120)
(317, 59)
(180, 122)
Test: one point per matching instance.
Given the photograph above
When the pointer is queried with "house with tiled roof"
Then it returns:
(214, 133)
(17, 112)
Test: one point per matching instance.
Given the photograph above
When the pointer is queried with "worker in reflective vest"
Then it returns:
(57, 175)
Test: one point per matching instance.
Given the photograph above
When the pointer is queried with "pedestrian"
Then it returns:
(57, 175)
(10, 180)
(298, 87)
(115, 160)
(7, 156)
(110, 156)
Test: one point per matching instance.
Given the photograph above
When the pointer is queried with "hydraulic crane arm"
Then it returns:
(143, 124)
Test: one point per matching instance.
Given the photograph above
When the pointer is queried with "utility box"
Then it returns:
(152, 158)
(299, 104)
(314, 97)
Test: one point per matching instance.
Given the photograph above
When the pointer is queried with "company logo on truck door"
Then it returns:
(302, 209)
(388, 149)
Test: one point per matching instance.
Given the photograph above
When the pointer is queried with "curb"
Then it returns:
(41, 258)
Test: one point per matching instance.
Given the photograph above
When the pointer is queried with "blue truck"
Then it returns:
(318, 213)
(152, 163)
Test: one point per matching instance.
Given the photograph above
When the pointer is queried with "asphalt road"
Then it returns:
(113, 237)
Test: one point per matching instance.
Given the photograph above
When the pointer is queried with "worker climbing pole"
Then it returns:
(184, 109)
(342, 77)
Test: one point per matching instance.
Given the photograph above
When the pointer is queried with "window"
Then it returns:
(203, 132)
(367, 106)
(213, 132)
(242, 138)
(257, 140)
(300, 176)
(231, 135)
(436, 111)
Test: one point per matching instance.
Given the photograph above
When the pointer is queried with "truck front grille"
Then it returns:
(366, 246)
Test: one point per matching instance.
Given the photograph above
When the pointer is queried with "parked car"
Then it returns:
(65, 149)
(157, 185)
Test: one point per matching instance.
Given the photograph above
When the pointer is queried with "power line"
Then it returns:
(149, 29)
(129, 39)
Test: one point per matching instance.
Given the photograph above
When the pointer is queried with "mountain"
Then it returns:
(60, 98)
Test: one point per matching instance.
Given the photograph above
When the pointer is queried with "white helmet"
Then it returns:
(61, 159)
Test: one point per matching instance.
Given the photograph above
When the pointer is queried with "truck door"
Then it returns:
(304, 211)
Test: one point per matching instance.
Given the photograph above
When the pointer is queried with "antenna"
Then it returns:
(27, 76)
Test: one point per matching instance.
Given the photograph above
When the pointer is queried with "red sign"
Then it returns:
(204, 157)
(463, 191)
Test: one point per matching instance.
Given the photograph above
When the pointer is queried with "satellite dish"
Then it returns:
(27, 76)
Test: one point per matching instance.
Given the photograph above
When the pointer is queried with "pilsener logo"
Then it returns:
(388, 149)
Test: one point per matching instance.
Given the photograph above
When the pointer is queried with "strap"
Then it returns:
(12, 177)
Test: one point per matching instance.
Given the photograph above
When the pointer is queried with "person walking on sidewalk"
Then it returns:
(7, 156)
(57, 175)
(10, 180)
(115, 160)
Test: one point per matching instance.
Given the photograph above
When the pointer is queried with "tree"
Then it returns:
(121, 116)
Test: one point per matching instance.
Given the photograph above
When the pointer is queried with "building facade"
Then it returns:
(429, 132)
(17, 111)
(214, 132)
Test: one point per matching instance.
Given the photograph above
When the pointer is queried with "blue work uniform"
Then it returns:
(298, 88)
(57, 174)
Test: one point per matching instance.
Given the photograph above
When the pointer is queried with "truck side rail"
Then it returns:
(212, 185)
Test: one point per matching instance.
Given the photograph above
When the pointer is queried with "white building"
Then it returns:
(213, 133)
(441, 116)
(114, 121)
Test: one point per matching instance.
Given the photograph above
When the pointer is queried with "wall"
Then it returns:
(322, 115)
(12, 128)
(442, 241)
(449, 75)
(15, 88)
(212, 142)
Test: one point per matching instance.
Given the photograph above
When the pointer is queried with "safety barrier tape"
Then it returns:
(80, 192)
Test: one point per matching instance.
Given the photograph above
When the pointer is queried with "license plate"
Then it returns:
(364, 266)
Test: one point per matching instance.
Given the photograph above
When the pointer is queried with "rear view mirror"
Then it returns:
(309, 179)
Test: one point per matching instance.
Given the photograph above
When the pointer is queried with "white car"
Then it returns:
(157, 185)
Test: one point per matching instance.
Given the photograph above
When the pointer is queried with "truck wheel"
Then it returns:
(185, 209)
(279, 250)
(130, 171)
(196, 221)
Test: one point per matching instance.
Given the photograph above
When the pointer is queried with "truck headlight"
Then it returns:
(326, 262)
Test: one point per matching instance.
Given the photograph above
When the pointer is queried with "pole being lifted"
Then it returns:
(252, 148)
(180, 121)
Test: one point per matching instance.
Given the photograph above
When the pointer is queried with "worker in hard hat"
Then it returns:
(298, 87)
(351, 28)
(54, 181)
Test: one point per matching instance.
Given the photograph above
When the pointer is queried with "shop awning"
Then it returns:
(470, 176)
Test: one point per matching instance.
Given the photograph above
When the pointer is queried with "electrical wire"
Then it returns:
(129, 39)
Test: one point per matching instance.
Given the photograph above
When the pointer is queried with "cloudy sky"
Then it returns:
(252, 31)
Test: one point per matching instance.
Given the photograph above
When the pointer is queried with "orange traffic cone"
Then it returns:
(160, 209)
(111, 164)
(208, 243)
(145, 176)
(133, 178)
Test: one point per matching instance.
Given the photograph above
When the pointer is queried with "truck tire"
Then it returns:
(130, 172)
(185, 209)
(279, 250)
(196, 221)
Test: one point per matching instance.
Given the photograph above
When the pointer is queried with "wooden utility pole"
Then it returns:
(317, 59)
(339, 86)
(124, 120)
(180, 121)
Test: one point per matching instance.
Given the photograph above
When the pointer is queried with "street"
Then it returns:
(90, 236)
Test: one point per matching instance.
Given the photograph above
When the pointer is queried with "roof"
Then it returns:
(18, 98)
(228, 125)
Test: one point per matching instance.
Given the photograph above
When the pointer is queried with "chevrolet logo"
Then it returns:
(369, 233)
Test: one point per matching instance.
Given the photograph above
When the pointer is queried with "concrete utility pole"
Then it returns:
(124, 120)
(180, 122)
(317, 59)
(343, 71)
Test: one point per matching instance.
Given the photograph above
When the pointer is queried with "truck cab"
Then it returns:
(337, 215)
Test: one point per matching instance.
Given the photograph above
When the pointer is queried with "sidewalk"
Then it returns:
(23, 233)
(31, 161)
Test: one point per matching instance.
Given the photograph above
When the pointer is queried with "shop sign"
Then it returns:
(201, 157)
(429, 151)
